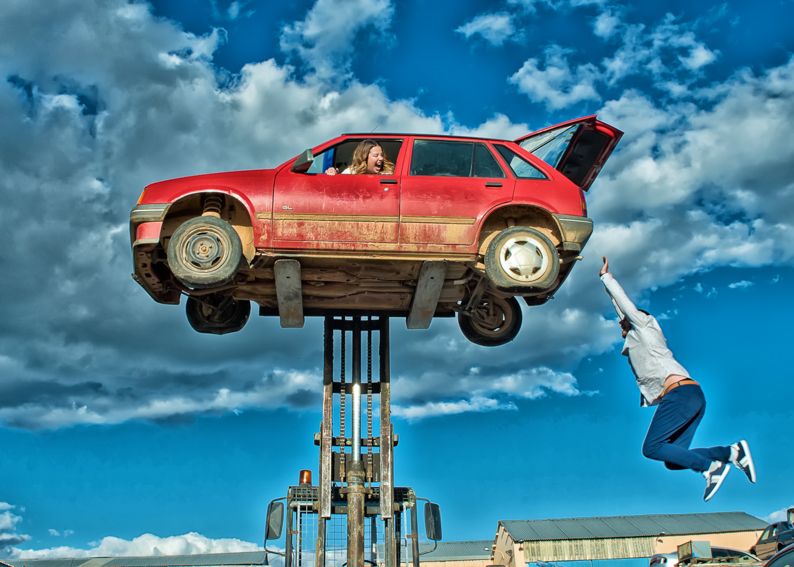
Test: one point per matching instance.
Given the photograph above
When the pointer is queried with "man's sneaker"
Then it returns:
(714, 478)
(743, 459)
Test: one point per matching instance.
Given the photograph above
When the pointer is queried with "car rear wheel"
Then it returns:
(204, 252)
(217, 314)
(522, 257)
(494, 322)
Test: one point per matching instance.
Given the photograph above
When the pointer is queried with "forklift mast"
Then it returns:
(354, 515)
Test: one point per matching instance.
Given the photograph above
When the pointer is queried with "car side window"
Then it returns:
(520, 166)
(485, 165)
(765, 535)
(340, 156)
(453, 159)
(442, 158)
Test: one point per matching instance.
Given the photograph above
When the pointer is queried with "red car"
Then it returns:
(461, 226)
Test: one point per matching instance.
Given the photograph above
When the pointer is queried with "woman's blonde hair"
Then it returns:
(361, 153)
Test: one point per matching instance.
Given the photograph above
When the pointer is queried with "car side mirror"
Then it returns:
(275, 520)
(304, 162)
(433, 521)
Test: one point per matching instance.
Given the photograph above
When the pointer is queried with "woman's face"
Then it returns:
(375, 160)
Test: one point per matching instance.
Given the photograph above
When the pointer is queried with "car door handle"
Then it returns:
(493, 184)
(388, 182)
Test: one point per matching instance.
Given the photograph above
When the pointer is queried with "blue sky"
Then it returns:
(123, 431)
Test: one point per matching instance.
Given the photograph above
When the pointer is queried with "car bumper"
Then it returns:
(575, 231)
(145, 223)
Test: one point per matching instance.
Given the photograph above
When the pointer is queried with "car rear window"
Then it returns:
(520, 167)
(453, 159)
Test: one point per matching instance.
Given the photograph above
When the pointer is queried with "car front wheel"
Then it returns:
(204, 252)
(494, 322)
(217, 314)
(522, 257)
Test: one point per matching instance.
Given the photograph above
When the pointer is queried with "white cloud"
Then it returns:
(779, 515)
(494, 28)
(699, 56)
(475, 393)
(742, 284)
(324, 39)
(9, 536)
(87, 128)
(435, 409)
(653, 51)
(146, 544)
(498, 126)
(555, 82)
(605, 25)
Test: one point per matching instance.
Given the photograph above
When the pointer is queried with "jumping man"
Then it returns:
(664, 383)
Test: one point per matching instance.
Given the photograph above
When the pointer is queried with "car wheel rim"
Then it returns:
(524, 259)
(204, 250)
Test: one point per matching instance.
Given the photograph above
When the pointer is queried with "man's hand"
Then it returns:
(605, 267)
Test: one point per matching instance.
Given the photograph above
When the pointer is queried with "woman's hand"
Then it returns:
(331, 171)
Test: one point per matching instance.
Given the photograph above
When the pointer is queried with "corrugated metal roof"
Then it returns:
(203, 560)
(456, 550)
(630, 526)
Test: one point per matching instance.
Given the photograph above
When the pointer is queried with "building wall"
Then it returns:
(467, 563)
(511, 554)
(737, 540)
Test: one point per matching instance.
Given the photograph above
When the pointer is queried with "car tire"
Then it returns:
(204, 252)
(522, 257)
(495, 322)
(217, 314)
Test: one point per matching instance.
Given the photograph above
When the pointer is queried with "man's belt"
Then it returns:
(674, 385)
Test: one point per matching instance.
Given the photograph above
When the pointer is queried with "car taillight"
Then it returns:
(140, 199)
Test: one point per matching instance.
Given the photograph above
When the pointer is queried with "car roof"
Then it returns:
(373, 135)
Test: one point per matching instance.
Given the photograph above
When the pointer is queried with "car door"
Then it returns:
(336, 212)
(447, 188)
(577, 148)
(766, 544)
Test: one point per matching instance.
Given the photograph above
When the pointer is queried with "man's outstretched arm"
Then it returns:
(623, 305)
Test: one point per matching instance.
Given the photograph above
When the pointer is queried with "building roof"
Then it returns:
(456, 550)
(606, 527)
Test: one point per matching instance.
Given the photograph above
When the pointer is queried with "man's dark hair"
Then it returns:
(626, 325)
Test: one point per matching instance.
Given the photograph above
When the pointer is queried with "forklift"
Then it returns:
(354, 515)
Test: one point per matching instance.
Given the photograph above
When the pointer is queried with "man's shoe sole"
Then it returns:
(750, 471)
(707, 497)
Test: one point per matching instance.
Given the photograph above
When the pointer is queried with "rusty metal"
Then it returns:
(414, 535)
(355, 485)
(369, 405)
(289, 293)
(386, 432)
(213, 205)
(426, 295)
(326, 427)
(343, 394)
(356, 395)
(356, 493)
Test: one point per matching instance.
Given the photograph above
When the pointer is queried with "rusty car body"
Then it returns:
(462, 226)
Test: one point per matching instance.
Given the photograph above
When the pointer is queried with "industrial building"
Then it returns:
(526, 542)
